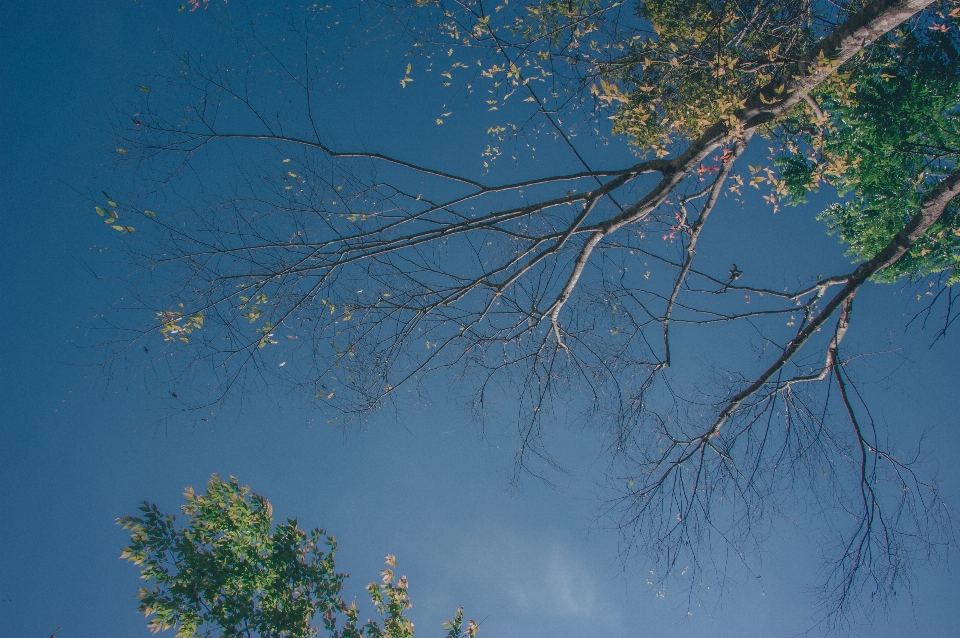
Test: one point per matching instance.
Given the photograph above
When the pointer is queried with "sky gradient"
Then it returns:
(81, 446)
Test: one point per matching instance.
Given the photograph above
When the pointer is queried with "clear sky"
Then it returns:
(80, 446)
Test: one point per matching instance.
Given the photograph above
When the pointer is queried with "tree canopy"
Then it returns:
(354, 274)
(889, 143)
(231, 572)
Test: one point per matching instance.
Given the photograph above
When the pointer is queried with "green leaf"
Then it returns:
(143, 88)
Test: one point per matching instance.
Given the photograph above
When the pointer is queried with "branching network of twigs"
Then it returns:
(359, 276)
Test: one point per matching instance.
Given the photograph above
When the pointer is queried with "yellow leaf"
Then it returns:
(149, 213)
(99, 211)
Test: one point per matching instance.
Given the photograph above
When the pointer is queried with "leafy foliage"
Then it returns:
(174, 326)
(666, 68)
(889, 140)
(706, 58)
(229, 572)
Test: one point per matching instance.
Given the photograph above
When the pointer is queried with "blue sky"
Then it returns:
(80, 446)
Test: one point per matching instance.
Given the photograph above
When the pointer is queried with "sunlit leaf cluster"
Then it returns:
(705, 59)
(662, 70)
(111, 217)
(175, 326)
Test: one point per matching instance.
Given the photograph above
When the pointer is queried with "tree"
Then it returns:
(357, 274)
(231, 572)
